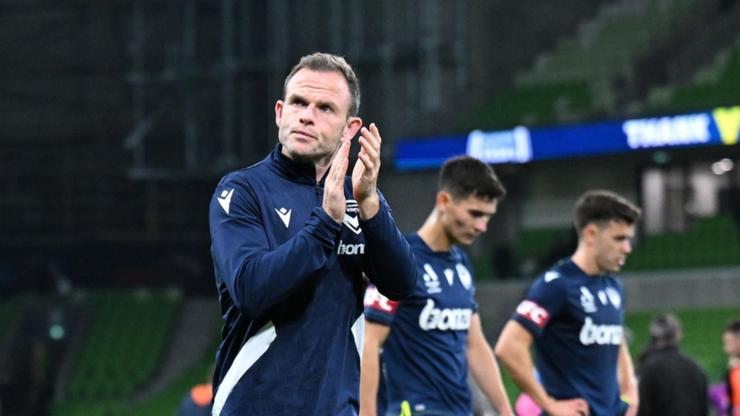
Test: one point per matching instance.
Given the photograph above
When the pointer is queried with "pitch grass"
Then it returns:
(702, 339)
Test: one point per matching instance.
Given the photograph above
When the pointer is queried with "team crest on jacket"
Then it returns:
(352, 216)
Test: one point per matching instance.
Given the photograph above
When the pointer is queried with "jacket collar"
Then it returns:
(295, 171)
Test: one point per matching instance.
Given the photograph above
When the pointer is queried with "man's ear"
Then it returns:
(351, 127)
(589, 232)
(278, 111)
(443, 198)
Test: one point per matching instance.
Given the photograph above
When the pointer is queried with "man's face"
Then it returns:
(313, 118)
(465, 219)
(731, 344)
(612, 243)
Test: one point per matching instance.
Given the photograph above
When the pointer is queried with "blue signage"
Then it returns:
(717, 127)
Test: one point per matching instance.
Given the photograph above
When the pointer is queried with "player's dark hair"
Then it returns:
(733, 327)
(465, 176)
(600, 206)
(324, 62)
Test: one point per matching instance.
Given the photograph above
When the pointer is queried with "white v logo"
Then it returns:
(225, 199)
(353, 223)
(284, 215)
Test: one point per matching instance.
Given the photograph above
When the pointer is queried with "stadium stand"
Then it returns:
(711, 242)
(7, 313)
(124, 343)
(137, 328)
(716, 84)
(578, 78)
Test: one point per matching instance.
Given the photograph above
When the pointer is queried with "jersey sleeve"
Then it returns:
(389, 261)
(255, 274)
(544, 300)
(379, 308)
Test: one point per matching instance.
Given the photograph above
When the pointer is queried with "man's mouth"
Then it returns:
(305, 134)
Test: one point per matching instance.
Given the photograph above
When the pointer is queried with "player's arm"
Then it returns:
(375, 336)
(389, 261)
(256, 274)
(513, 350)
(485, 369)
(627, 380)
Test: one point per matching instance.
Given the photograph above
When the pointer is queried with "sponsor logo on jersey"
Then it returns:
(447, 319)
(373, 299)
(592, 333)
(533, 312)
(350, 249)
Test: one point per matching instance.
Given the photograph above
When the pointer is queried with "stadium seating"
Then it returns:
(577, 79)
(8, 310)
(124, 341)
(714, 85)
(710, 242)
(133, 327)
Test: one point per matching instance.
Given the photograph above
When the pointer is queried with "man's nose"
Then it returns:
(481, 225)
(628, 247)
(306, 115)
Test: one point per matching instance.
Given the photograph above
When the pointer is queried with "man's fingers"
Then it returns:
(338, 168)
(582, 407)
(367, 148)
(376, 132)
(367, 161)
(372, 136)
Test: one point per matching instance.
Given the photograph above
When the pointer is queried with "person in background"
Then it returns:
(198, 401)
(731, 345)
(670, 382)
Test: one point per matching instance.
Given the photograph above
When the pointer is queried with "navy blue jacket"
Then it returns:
(290, 284)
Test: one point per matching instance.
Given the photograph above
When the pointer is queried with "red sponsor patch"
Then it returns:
(373, 299)
(533, 312)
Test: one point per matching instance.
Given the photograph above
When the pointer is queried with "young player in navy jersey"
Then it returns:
(429, 340)
(574, 315)
(291, 238)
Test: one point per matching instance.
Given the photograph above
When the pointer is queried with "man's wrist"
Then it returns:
(369, 206)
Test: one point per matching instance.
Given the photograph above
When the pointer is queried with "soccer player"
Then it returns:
(574, 315)
(291, 238)
(429, 340)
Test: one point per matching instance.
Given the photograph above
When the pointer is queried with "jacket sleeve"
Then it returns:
(256, 276)
(389, 260)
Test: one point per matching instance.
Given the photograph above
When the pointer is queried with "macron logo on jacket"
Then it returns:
(225, 199)
(284, 215)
